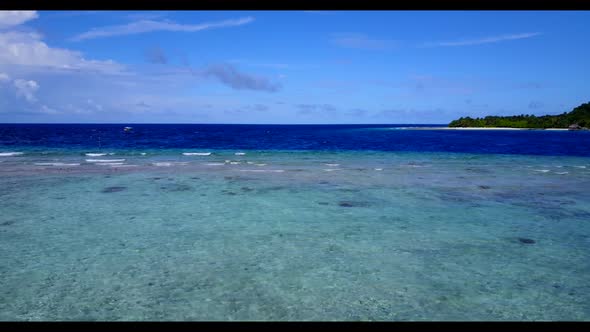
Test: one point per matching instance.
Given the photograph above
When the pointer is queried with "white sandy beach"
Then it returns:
(475, 128)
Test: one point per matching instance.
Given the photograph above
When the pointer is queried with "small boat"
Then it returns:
(128, 129)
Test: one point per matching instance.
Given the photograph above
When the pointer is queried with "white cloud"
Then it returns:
(144, 26)
(27, 48)
(4, 78)
(26, 89)
(485, 40)
(48, 110)
(91, 103)
(9, 18)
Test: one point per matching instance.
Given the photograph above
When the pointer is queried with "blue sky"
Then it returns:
(290, 66)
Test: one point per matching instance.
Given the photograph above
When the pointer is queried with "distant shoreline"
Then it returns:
(477, 128)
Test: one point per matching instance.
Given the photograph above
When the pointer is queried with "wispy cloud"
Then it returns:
(484, 40)
(230, 76)
(4, 77)
(156, 55)
(307, 109)
(357, 112)
(535, 104)
(360, 41)
(143, 104)
(144, 26)
(247, 109)
(26, 89)
(414, 115)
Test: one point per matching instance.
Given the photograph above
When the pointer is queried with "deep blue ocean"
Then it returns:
(294, 137)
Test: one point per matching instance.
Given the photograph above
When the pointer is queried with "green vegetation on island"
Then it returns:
(578, 118)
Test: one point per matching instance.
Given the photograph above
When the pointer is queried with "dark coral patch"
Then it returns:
(113, 189)
(176, 187)
(526, 241)
(352, 204)
(349, 190)
(477, 170)
(274, 188)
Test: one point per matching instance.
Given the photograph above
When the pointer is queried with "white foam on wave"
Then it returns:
(10, 154)
(332, 165)
(378, 169)
(331, 169)
(215, 164)
(96, 154)
(541, 170)
(168, 164)
(235, 162)
(260, 164)
(580, 166)
(57, 164)
(263, 170)
(196, 153)
(250, 162)
(561, 173)
(240, 153)
(124, 165)
(104, 160)
(110, 164)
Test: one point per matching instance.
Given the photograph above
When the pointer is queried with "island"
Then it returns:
(577, 119)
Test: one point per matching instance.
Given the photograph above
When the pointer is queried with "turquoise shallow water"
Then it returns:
(297, 235)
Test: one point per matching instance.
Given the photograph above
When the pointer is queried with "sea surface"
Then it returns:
(304, 223)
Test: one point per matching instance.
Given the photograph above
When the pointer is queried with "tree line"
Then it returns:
(578, 116)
